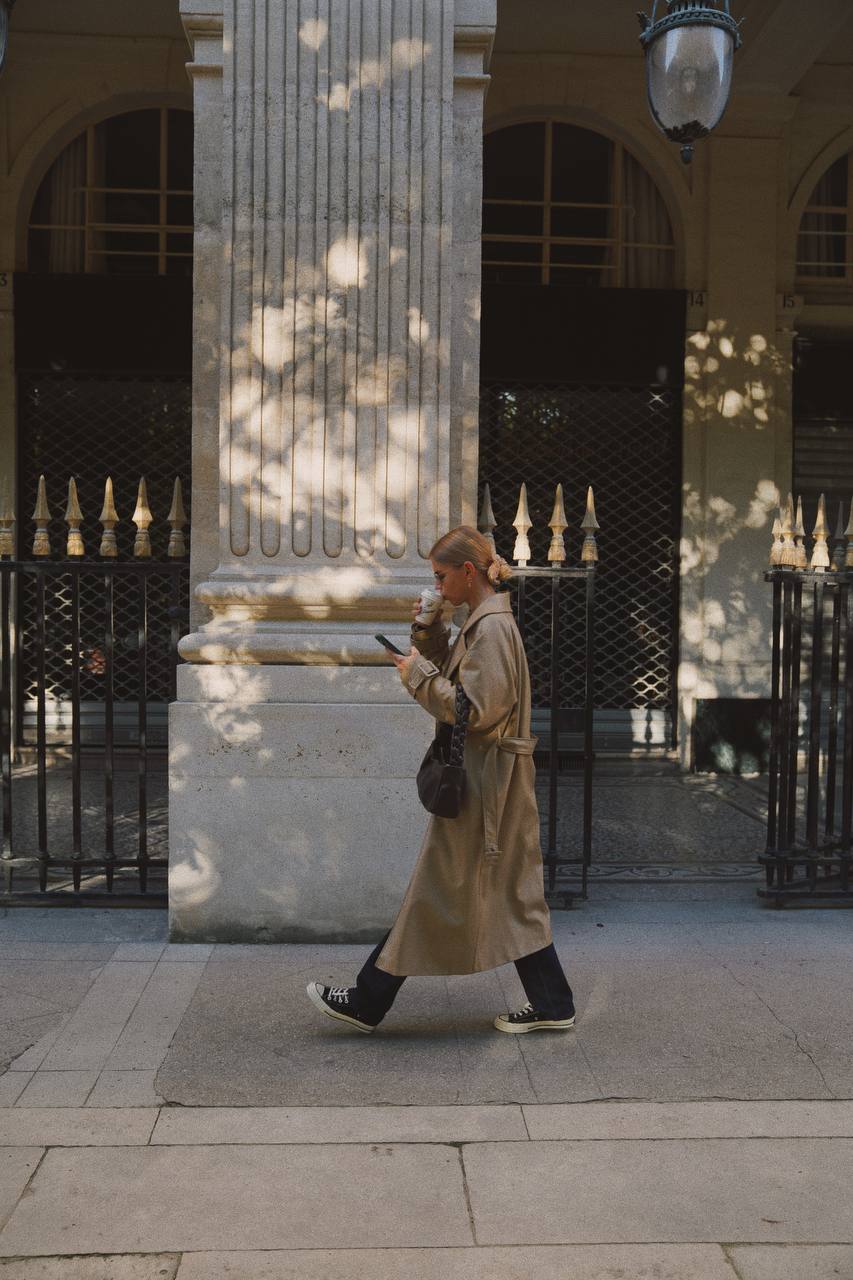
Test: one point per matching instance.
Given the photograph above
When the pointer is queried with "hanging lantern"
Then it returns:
(689, 57)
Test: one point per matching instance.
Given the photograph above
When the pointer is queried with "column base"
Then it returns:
(312, 616)
(293, 813)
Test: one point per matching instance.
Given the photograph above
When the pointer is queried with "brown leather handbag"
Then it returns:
(441, 777)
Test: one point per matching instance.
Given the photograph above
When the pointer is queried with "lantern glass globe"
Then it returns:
(689, 77)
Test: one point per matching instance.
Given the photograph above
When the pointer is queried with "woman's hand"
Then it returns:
(403, 662)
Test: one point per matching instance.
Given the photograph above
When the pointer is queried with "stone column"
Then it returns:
(347, 195)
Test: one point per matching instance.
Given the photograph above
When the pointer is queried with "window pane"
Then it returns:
(647, 268)
(512, 275)
(594, 223)
(179, 243)
(832, 188)
(819, 255)
(180, 159)
(179, 267)
(129, 208)
(131, 241)
(511, 251)
(586, 253)
(584, 278)
(581, 163)
(511, 220)
(514, 162)
(130, 149)
(38, 252)
(127, 266)
(179, 211)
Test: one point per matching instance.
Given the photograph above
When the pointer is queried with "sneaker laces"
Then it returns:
(523, 1012)
(339, 995)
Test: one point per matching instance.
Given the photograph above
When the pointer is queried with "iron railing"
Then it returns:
(808, 851)
(546, 611)
(112, 860)
(637, 480)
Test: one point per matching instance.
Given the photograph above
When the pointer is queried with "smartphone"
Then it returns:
(386, 643)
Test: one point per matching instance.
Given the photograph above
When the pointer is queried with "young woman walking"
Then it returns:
(475, 900)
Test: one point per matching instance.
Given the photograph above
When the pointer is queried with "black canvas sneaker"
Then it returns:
(338, 1002)
(527, 1019)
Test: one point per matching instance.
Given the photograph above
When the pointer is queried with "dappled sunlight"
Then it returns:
(733, 375)
(717, 521)
(409, 53)
(347, 263)
(726, 531)
(193, 878)
(313, 33)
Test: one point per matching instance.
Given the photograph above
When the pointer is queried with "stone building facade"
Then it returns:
(336, 336)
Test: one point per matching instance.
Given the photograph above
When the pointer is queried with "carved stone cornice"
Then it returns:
(203, 24)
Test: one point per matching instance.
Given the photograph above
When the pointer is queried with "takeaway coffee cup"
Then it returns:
(429, 604)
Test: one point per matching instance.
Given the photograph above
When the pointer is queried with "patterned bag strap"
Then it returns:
(460, 729)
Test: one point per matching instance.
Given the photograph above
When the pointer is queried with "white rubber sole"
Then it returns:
(317, 1000)
(562, 1024)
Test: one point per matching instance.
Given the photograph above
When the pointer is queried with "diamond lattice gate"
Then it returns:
(89, 426)
(625, 441)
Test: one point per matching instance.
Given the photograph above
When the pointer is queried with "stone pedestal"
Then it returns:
(293, 814)
(335, 394)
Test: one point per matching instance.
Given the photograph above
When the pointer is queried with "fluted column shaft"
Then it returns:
(340, 173)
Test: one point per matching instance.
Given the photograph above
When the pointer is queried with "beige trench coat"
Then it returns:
(476, 900)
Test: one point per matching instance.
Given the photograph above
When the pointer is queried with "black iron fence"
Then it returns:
(810, 792)
(82, 690)
(549, 601)
(85, 688)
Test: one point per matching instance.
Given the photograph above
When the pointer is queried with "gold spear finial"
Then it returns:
(109, 520)
(800, 537)
(142, 518)
(486, 521)
(73, 518)
(589, 524)
(776, 548)
(848, 533)
(839, 545)
(521, 524)
(41, 516)
(557, 524)
(177, 518)
(788, 554)
(7, 522)
(820, 551)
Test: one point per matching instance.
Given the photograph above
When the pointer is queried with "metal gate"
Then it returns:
(89, 425)
(809, 852)
(93, 641)
(548, 601)
(625, 441)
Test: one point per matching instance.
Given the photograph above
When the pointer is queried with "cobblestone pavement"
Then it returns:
(183, 1113)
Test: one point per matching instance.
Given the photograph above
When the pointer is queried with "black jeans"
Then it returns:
(541, 976)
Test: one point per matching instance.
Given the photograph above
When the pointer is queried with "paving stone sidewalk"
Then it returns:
(182, 1113)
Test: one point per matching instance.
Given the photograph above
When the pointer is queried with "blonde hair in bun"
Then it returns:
(466, 544)
(498, 571)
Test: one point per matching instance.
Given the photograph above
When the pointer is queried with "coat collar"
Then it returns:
(498, 603)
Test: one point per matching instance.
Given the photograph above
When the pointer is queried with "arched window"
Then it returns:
(118, 200)
(564, 205)
(825, 242)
